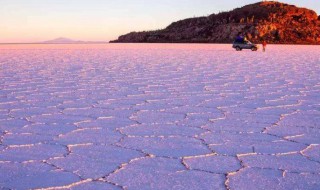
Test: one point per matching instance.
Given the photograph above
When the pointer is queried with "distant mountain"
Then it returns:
(271, 21)
(60, 41)
(69, 41)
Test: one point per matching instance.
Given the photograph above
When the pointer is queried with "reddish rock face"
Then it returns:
(271, 21)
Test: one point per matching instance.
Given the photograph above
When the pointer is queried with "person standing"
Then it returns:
(240, 38)
(264, 45)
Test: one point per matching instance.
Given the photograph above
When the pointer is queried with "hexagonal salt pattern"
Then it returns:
(159, 116)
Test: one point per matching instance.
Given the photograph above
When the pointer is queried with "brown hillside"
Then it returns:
(271, 21)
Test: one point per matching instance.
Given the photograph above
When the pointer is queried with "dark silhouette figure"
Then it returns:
(264, 45)
(239, 38)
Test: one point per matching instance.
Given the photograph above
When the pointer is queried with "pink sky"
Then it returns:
(100, 20)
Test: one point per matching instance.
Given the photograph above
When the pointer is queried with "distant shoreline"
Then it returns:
(167, 43)
(230, 43)
(52, 43)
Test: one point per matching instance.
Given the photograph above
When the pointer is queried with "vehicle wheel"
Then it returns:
(238, 49)
(254, 49)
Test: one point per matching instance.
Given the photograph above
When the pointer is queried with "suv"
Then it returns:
(244, 45)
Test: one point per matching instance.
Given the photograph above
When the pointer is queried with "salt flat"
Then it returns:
(159, 116)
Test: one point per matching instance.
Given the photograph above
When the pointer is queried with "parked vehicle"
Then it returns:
(244, 45)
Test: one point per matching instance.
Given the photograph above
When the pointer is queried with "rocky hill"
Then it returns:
(271, 21)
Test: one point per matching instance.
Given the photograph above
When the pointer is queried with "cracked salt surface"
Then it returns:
(258, 178)
(33, 175)
(96, 185)
(162, 173)
(159, 116)
(94, 161)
